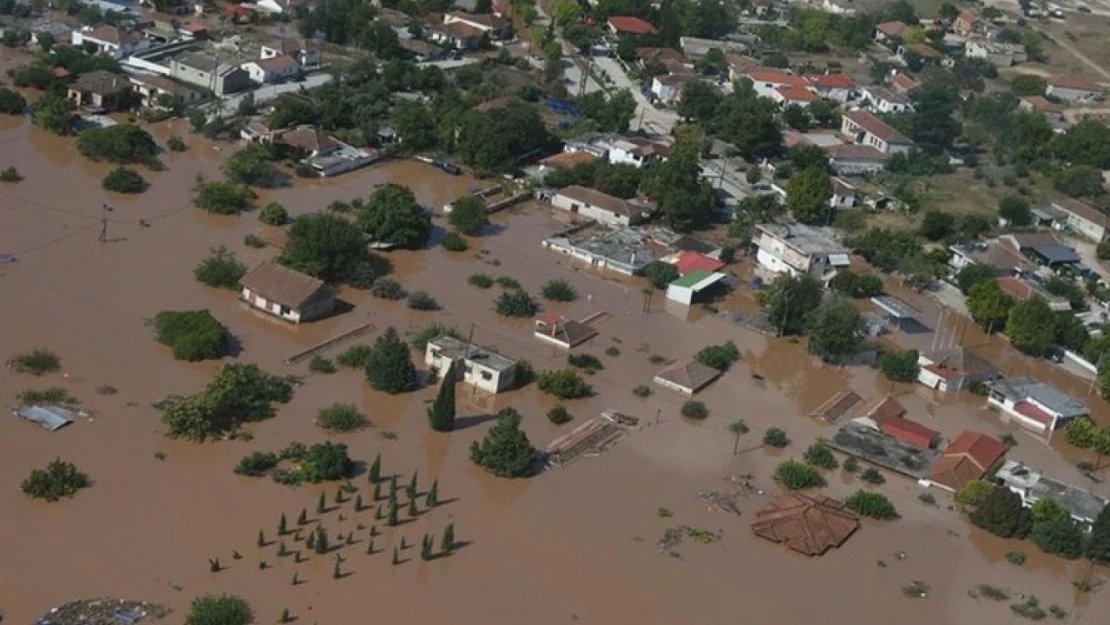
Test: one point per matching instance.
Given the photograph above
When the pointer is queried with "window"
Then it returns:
(486, 375)
(285, 310)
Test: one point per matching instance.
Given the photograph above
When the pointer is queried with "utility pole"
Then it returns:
(104, 210)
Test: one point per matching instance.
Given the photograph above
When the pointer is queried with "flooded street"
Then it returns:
(569, 545)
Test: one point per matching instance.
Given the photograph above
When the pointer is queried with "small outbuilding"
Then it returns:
(286, 293)
(481, 367)
(562, 332)
(688, 378)
(954, 369)
(49, 418)
(686, 289)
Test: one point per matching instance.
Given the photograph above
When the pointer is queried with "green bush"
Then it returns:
(516, 303)
(900, 366)
(11, 102)
(454, 242)
(340, 417)
(223, 198)
(387, 288)
(469, 215)
(10, 174)
(221, 270)
(54, 395)
(219, 610)
(355, 356)
(819, 455)
(558, 415)
(505, 451)
(1017, 558)
(326, 462)
(871, 505)
(794, 475)
(237, 394)
(587, 362)
(192, 335)
(253, 240)
(176, 144)
(59, 479)
(319, 364)
(124, 180)
(559, 291)
(775, 437)
(694, 410)
(720, 357)
(122, 144)
(256, 464)
(480, 280)
(641, 390)
(660, 274)
(612, 351)
(508, 283)
(564, 384)
(872, 475)
(421, 300)
(851, 465)
(37, 362)
(973, 493)
(273, 214)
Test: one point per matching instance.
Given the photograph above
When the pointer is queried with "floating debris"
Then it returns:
(916, 589)
(104, 611)
(720, 501)
(673, 536)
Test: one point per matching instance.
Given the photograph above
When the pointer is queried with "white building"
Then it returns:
(883, 100)
(286, 293)
(480, 367)
(1073, 89)
(668, 88)
(272, 70)
(866, 129)
(620, 150)
(996, 53)
(109, 40)
(1035, 405)
(300, 50)
(685, 290)
(953, 369)
(601, 207)
(798, 249)
(1084, 219)
(1083, 505)
(766, 83)
(688, 378)
(844, 195)
(837, 87)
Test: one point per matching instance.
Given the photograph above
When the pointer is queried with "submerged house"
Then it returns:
(808, 524)
(286, 293)
(954, 369)
(967, 458)
(562, 332)
(1034, 404)
(1034, 486)
(481, 367)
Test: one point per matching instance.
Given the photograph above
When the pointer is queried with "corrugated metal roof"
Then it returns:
(50, 418)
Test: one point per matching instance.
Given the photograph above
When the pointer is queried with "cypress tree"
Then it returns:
(393, 486)
(370, 547)
(336, 572)
(378, 513)
(377, 492)
(413, 484)
(426, 547)
(396, 559)
(404, 544)
(284, 616)
(282, 551)
(310, 542)
(235, 555)
(282, 525)
(432, 500)
(389, 367)
(262, 564)
(413, 512)
(373, 531)
(296, 579)
(321, 540)
(302, 518)
(376, 470)
(1002, 514)
(261, 539)
(321, 504)
(441, 414)
(393, 520)
(339, 496)
(506, 450)
(358, 503)
(1098, 546)
(448, 543)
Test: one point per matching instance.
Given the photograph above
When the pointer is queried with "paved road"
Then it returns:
(657, 121)
(265, 93)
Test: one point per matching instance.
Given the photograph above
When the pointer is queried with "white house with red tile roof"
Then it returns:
(800, 96)
(110, 40)
(866, 129)
(626, 25)
(1035, 405)
(767, 82)
(967, 458)
(271, 70)
(902, 83)
(1073, 88)
(838, 87)
(890, 32)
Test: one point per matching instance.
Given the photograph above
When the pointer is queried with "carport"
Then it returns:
(895, 309)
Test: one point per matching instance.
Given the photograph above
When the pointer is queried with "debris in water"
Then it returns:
(673, 536)
(104, 611)
(720, 501)
(916, 589)
(899, 555)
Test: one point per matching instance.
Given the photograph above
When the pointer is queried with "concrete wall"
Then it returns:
(589, 211)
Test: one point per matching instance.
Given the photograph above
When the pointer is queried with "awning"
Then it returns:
(839, 260)
(894, 307)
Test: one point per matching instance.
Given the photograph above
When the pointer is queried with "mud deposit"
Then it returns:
(572, 545)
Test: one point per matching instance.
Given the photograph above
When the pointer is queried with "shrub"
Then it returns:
(612, 351)
(469, 215)
(454, 242)
(559, 291)
(10, 174)
(326, 462)
(900, 366)
(223, 198)
(192, 335)
(927, 499)
(851, 465)
(641, 390)
(871, 505)
(564, 384)
(505, 451)
(124, 180)
(720, 357)
(123, 144)
(419, 340)
(219, 610)
(819, 455)
(52, 395)
(387, 288)
(389, 367)
(775, 437)
(176, 144)
(480, 280)
(1017, 558)
(974, 492)
(37, 362)
(355, 356)
(794, 475)
(253, 240)
(319, 364)
(516, 303)
(558, 415)
(221, 270)
(660, 274)
(421, 300)
(256, 464)
(59, 479)
(340, 417)
(694, 410)
(273, 214)
(508, 283)
(588, 362)
(11, 102)
(871, 475)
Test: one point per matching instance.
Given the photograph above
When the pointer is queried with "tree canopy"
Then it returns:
(393, 215)
(989, 305)
(835, 329)
(219, 610)
(807, 195)
(441, 414)
(192, 335)
(237, 394)
(389, 365)
(788, 301)
(469, 215)
(505, 451)
(685, 200)
(325, 246)
(1031, 326)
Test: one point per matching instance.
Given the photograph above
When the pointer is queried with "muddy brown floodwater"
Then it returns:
(574, 544)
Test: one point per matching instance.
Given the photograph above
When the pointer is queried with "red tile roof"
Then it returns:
(631, 25)
(1040, 103)
(776, 78)
(925, 51)
(689, 261)
(981, 449)
(903, 83)
(831, 81)
(1016, 288)
(909, 431)
(1074, 82)
(1030, 411)
(797, 94)
(877, 127)
(565, 160)
(892, 29)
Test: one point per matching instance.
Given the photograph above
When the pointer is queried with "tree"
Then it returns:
(254, 165)
(192, 335)
(564, 384)
(387, 288)
(469, 215)
(273, 214)
(431, 500)
(11, 102)
(123, 144)
(1002, 514)
(1028, 84)
(389, 367)
(441, 414)
(775, 437)
(415, 126)
(948, 11)
(857, 286)
(326, 246)
(749, 122)
(974, 492)
(340, 417)
(1015, 209)
(613, 112)
(392, 215)
(1054, 531)
(700, 102)
(900, 366)
(219, 610)
(220, 270)
(1098, 544)
(237, 394)
(794, 475)
(326, 462)
(660, 274)
(1031, 326)
(1080, 181)
(59, 479)
(989, 305)
(375, 472)
(835, 329)
(1086, 143)
(819, 455)
(54, 112)
(788, 301)
(685, 200)
(796, 117)
(937, 224)
(932, 125)
(694, 410)
(558, 290)
(972, 275)
(223, 198)
(124, 180)
(871, 505)
(516, 303)
(807, 195)
(720, 357)
(505, 451)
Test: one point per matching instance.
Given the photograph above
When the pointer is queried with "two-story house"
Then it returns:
(797, 249)
(767, 82)
(109, 40)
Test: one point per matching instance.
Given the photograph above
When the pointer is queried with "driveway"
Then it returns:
(655, 120)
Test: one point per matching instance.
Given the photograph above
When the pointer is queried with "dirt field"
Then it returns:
(576, 544)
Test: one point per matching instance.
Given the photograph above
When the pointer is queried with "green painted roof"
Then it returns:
(693, 278)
